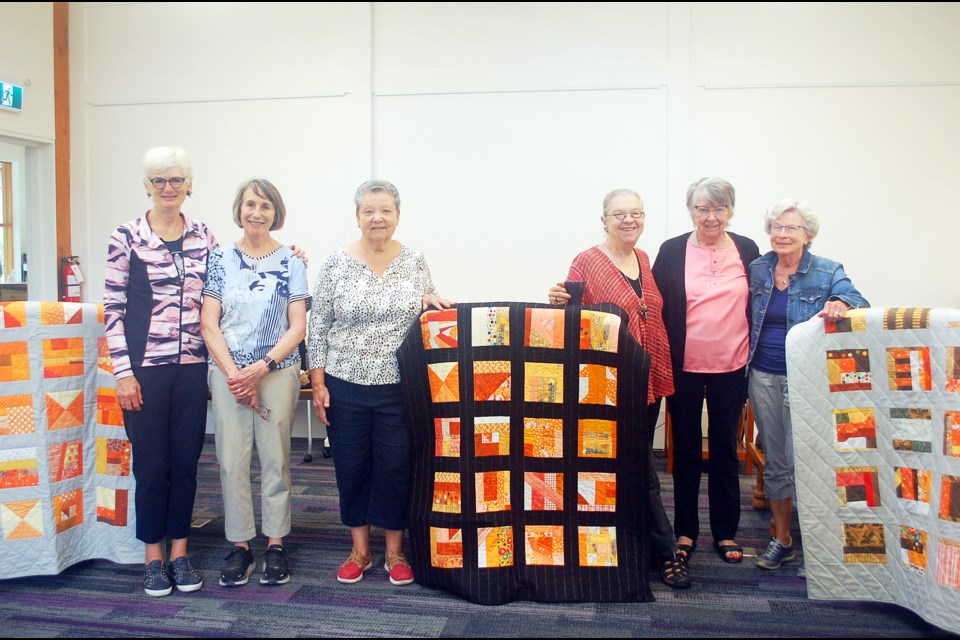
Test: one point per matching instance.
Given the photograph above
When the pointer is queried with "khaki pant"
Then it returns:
(237, 428)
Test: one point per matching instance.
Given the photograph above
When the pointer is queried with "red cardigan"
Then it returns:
(604, 282)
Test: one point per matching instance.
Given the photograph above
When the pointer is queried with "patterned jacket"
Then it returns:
(152, 316)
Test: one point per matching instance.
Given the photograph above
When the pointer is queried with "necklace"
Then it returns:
(696, 239)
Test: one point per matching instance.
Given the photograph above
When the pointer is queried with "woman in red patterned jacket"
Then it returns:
(616, 271)
(156, 269)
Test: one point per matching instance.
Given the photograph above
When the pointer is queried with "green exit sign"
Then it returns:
(11, 97)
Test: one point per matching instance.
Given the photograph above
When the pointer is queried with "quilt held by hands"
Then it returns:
(529, 453)
(66, 486)
(875, 403)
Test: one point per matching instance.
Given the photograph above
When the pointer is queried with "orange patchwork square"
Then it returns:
(112, 506)
(597, 439)
(66, 460)
(491, 380)
(14, 361)
(596, 491)
(543, 382)
(543, 438)
(68, 509)
(597, 546)
(108, 408)
(446, 437)
(544, 328)
(14, 314)
(439, 329)
(598, 384)
(446, 548)
(16, 415)
(64, 409)
(62, 357)
(543, 545)
(542, 491)
(446, 492)
(104, 361)
(491, 436)
(495, 547)
(61, 313)
(599, 331)
(444, 381)
(18, 468)
(22, 519)
(113, 457)
(493, 491)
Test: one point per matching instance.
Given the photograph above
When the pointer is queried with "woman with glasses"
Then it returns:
(616, 271)
(366, 297)
(788, 285)
(156, 268)
(254, 317)
(703, 277)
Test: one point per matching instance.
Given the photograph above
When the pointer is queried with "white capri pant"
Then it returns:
(771, 409)
(237, 428)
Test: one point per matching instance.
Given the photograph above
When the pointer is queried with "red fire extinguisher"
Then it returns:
(70, 279)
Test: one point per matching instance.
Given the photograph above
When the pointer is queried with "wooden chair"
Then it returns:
(744, 441)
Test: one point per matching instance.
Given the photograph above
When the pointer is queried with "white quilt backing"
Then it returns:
(875, 404)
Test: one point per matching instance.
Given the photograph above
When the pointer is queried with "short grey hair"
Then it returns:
(159, 159)
(265, 189)
(715, 190)
(810, 222)
(376, 185)
(618, 192)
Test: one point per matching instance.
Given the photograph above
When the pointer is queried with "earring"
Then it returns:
(149, 196)
(189, 193)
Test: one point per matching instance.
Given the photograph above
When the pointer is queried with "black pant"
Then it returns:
(662, 541)
(166, 436)
(725, 394)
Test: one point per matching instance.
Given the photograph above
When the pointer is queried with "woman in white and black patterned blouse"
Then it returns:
(366, 297)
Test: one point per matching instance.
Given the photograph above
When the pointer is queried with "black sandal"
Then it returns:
(724, 550)
(674, 571)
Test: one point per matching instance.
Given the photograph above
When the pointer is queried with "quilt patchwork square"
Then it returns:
(18, 468)
(444, 381)
(952, 382)
(64, 409)
(597, 546)
(599, 331)
(446, 548)
(911, 429)
(544, 328)
(66, 460)
(864, 543)
(597, 438)
(491, 436)
(951, 434)
(68, 510)
(21, 519)
(950, 498)
(948, 563)
(495, 547)
(62, 357)
(596, 491)
(598, 384)
(543, 545)
(446, 492)
(14, 361)
(913, 489)
(913, 549)
(542, 491)
(543, 382)
(848, 370)
(447, 437)
(14, 315)
(856, 429)
(439, 329)
(109, 412)
(493, 491)
(112, 506)
(895, 318)
(908, 368)
(113, 457)
(542, 438)
(16, 415)
(61, 313)
(854, 321)
(858, 487)
(491, 326)
(491, 380)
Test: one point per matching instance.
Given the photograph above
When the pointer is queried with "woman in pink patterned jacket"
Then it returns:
(156, 269)
(616, 271)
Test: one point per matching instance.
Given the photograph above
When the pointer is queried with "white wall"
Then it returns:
(26, 60)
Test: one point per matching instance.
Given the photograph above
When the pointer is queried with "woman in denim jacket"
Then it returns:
(788, 285)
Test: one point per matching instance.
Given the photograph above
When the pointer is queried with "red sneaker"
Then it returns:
(399, 568)
(352, 570)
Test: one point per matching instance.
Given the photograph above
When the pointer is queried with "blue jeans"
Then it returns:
(371, 453)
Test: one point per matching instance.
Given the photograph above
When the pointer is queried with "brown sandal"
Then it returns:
(674, 571)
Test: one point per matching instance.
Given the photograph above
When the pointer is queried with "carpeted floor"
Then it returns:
(103, 599)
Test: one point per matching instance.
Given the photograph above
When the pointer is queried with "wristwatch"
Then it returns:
(271, 365)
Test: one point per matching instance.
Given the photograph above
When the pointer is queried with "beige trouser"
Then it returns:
(237, 428)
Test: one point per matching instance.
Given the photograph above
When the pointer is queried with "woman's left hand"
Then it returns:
(436, 302)
(243, 385)
(300, 253)
(834, 311)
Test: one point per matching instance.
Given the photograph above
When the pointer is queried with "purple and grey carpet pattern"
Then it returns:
(101, 599)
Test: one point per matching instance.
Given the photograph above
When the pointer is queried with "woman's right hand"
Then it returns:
(321, 401)
(558, 294)
(128, 394)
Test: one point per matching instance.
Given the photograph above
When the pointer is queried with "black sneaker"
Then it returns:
(237, 568)
(184, 576)
(275, 570)
(156, 579)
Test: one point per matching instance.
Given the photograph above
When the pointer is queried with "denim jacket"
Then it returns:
(816, 281)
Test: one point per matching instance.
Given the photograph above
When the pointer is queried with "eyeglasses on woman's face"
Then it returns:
(719, 211)
(161, 183)
(788, 229)
(619, 214)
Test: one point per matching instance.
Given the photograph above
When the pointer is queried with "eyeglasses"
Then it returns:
(720, 211)
(789, 229)
(160, 183)
(622, 215)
